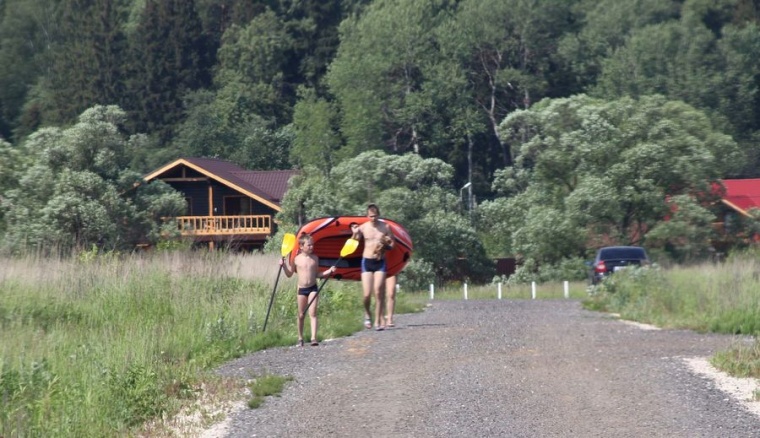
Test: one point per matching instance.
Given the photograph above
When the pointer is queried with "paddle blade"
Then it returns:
(349, 247)
(288, 243)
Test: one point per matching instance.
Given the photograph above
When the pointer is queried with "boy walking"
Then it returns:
(306, 264)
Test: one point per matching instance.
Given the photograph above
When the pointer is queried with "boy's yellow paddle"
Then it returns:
(348, 248)
(288, 243)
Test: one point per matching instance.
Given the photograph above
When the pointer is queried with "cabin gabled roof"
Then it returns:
(267, 187)
(742, 194)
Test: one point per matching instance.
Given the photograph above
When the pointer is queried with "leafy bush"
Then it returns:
(568, 269)
(417, 275)
(137, 394)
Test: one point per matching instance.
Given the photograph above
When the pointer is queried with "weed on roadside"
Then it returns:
(264, 386)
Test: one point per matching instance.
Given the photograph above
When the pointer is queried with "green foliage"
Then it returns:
(88, 60)
(417, 275)
(701, 59)
(137, 394)
(168, 59)
(383, 101)
(317, 139)
(607, 25)
(442, 237)
(26, 31)
(244, 118)
(686, 235)
(250, 69)
(573, 269)
(589, 172)
(29, 390)
(77, 191)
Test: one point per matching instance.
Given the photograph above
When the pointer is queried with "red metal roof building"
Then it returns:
(742, 194)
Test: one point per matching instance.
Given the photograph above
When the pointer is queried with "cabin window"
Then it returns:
(237, 205)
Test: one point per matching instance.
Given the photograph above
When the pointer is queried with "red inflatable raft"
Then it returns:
(330, 235)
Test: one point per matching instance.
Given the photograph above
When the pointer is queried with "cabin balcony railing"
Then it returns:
(223, 225)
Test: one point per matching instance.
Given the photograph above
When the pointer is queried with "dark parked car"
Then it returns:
(613, 258)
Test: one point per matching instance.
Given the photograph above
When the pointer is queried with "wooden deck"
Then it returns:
(223, 226)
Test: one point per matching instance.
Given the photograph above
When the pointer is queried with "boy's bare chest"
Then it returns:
(305, 262)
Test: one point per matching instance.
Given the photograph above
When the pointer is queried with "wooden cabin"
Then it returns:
(226, 204)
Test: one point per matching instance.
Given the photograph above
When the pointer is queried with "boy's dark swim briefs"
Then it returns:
(307, 290)
(373, 265)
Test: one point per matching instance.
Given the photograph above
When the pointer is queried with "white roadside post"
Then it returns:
(499, 288)
(465, 291)
(533, 289)
(432, 291)
(567, 289)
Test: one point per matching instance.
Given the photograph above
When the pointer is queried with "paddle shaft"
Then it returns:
(271, 299)
(348, 248)
(319, 289)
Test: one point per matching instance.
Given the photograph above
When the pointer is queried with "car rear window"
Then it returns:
(622, 253)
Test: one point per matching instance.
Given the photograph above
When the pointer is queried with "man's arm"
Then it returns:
(356, 231)
(388, 238)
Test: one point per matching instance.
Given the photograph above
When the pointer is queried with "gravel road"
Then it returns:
(496, 368)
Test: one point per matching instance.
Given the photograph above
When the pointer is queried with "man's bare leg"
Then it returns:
(379, 286)
(390, 300)
(367, 278)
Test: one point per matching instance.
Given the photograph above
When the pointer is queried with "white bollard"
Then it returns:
(567, 289)
(533, 289)
(465, 291)
(432, 291)
(499, 288)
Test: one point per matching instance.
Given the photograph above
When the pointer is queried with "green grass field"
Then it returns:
(101, 345)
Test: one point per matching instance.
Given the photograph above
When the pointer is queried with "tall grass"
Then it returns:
(95, 346)
(720, 298)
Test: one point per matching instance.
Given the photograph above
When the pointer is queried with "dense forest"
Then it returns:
(529, 128)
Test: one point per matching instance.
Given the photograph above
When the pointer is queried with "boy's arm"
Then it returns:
(286, 268)
(325, 273)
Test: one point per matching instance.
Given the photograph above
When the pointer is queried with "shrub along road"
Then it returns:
(496, 369)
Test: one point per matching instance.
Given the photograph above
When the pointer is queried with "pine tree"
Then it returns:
(169, 57)
(87, 59)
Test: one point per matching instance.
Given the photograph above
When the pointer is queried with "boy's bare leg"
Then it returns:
(390, 300)
(299, 318)
(313, 316)
(367, 278)
(379, 283)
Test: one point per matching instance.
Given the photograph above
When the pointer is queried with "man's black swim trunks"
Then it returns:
(373, 265)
